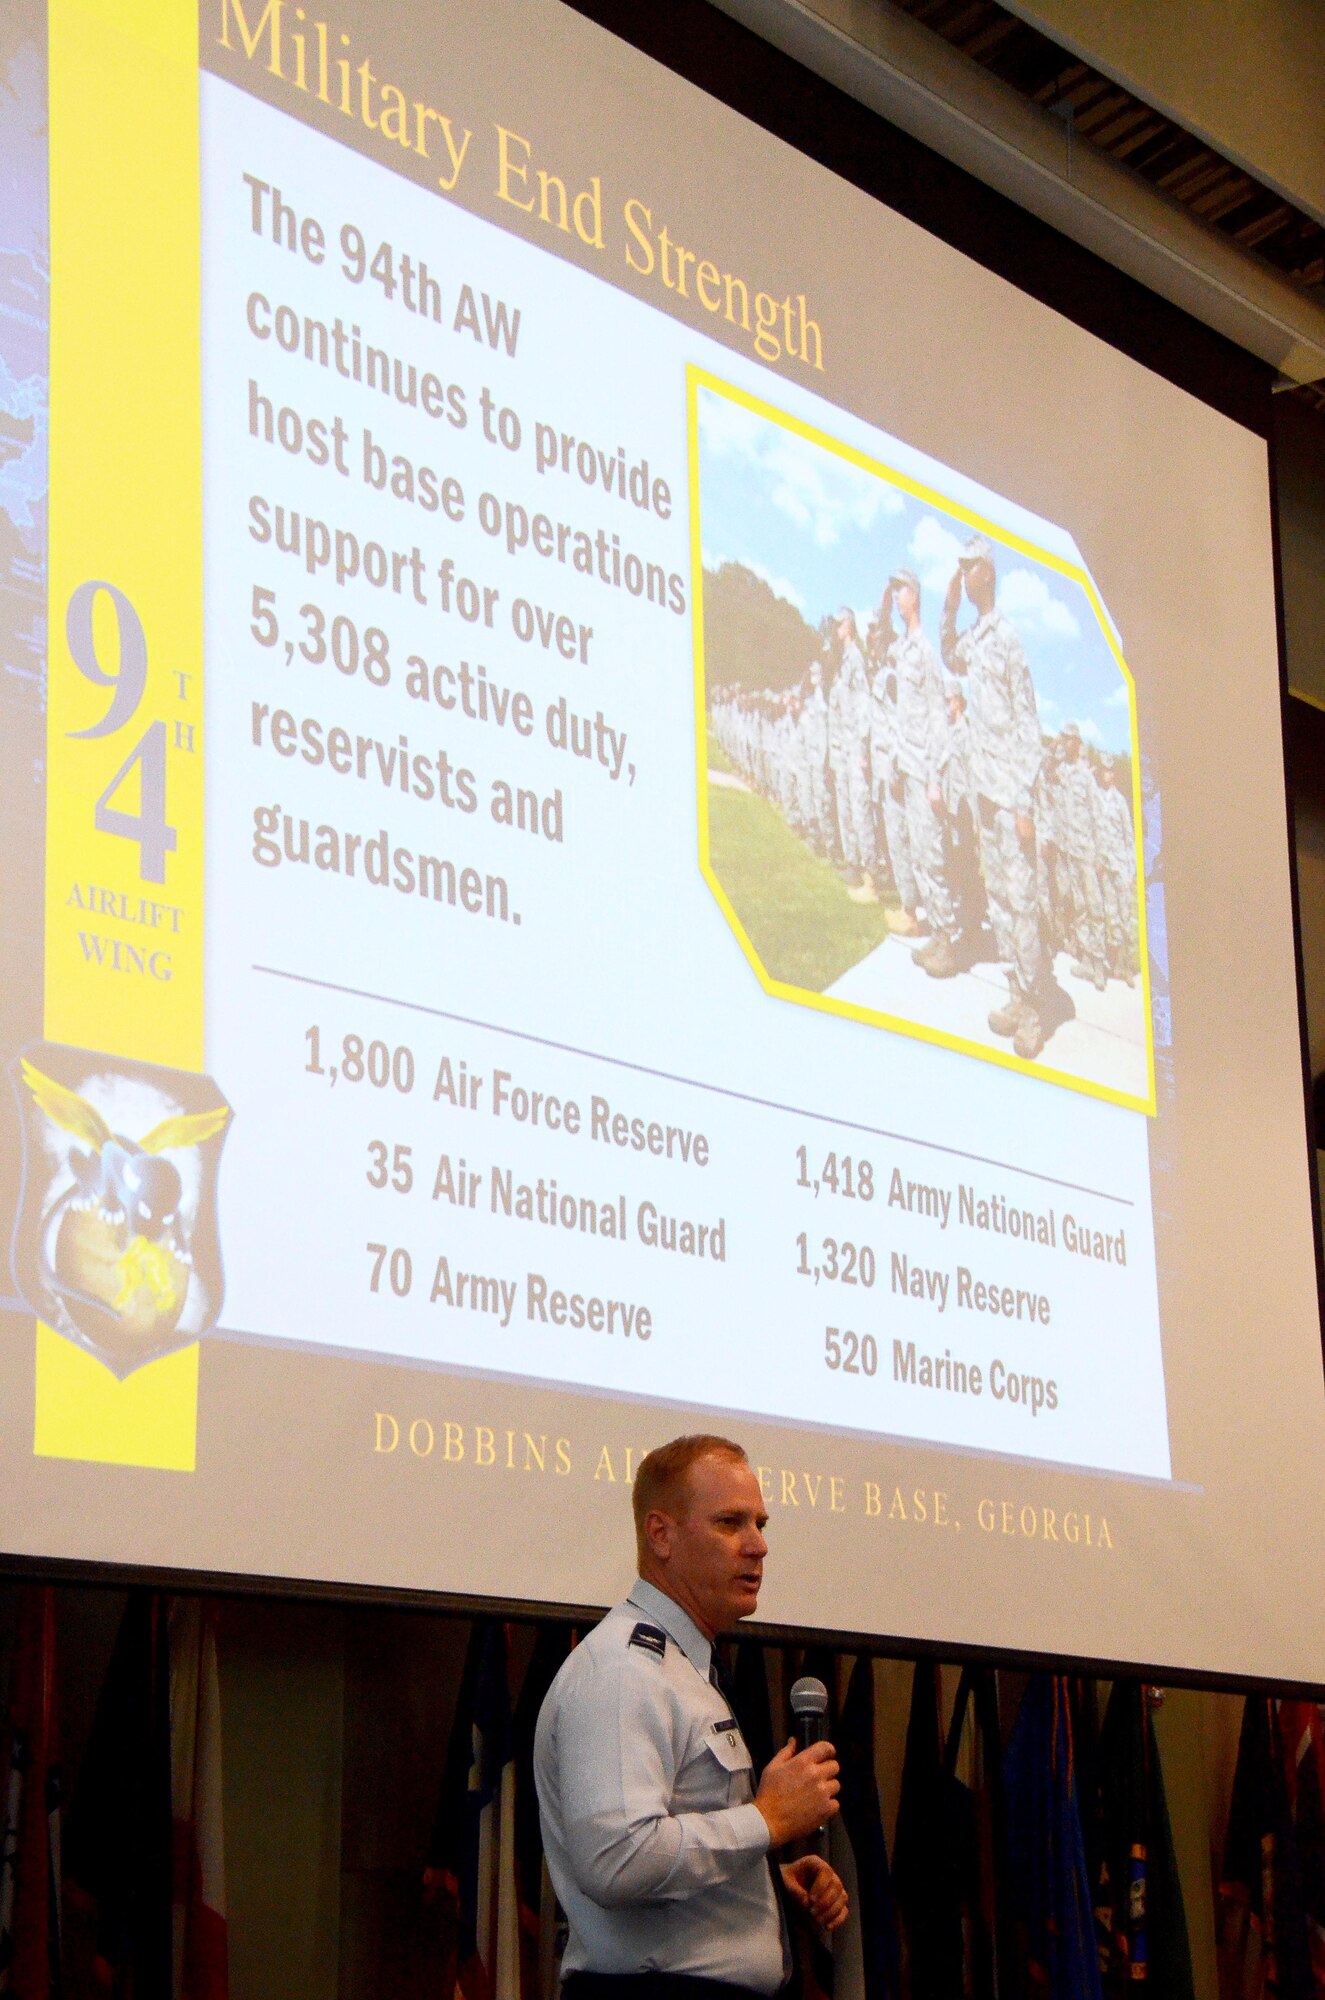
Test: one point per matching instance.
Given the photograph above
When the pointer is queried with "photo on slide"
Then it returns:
(919, 788)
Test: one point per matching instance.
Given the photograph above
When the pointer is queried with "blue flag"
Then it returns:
(1048, 1883)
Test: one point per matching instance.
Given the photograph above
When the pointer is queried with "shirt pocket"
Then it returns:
(728, 1749)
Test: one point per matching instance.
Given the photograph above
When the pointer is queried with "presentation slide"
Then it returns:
(636, 800)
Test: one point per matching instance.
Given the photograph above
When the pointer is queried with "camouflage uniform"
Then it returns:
(1117, 850)
(787, 766)
(961, 839)
(848, 751)
(1048, 863)
(814, 758)
(1005, 760)
(891, 837)
(922, 741)
(1079, 837)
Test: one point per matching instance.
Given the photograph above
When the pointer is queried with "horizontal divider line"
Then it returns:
(689, 1082)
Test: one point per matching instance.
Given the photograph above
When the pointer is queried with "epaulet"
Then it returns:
(650, 1638)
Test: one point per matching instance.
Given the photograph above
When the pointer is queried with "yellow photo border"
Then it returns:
(700, 378)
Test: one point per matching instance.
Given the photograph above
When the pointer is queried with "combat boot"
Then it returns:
(901, 923)
(1030, 1037)
(864, 891)
(937, 958)
(1006, 1020)
(1080, 970)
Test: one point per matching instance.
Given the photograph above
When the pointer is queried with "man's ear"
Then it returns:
(658, 1531)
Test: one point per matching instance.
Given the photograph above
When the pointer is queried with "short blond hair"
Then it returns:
(663, 1476)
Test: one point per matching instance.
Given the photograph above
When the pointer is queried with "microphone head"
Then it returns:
(809, 1696)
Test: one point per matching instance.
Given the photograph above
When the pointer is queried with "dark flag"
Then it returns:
(118, 1850)
(751, 1705)
(1261, 1887)
(926, 1870)
(473, 1846)
(30, 1944)
(535, 1897)
(863, 1820)
(1049, 1891)
(442, 1869)
(447, 1839)
(1300, 1727)
(1083, 1706)
(979, 1834)
(1141, 1923)
(201, 1942)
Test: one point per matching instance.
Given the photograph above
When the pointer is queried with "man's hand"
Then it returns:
(817, 1889)
(934, 794)
(1025, 829)
(798, 1791)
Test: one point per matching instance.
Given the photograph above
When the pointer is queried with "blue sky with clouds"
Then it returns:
(822, 532)
(23, 281)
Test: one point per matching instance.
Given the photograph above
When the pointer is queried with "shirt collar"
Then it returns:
(676, 1623)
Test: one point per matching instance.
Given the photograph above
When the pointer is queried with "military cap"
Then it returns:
(907, 576)
(976, 550)
(1070, 729)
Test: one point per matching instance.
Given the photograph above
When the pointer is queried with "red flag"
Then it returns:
(201, 1964)
(1263, 1917)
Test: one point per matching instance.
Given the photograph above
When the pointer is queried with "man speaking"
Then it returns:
(657, 1841)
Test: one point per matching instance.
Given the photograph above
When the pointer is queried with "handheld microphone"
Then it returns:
(809, 1708)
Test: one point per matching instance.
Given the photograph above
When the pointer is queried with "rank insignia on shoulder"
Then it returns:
(650, 1638)
(728, 1722)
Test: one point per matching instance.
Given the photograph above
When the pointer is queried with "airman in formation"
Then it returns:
(848, 757)
(946, 791)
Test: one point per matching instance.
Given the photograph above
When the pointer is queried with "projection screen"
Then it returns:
(636, 799)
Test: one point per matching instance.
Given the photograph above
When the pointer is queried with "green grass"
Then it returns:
(794, 908)
(718, 760)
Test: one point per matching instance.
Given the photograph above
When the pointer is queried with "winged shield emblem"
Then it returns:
(116, 1240)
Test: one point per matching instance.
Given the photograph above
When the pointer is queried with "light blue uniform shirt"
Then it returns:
(656, 1850)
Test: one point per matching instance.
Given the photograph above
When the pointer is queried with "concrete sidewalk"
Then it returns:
(1102, 1040)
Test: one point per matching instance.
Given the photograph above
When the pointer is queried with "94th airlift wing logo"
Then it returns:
(115, 1242)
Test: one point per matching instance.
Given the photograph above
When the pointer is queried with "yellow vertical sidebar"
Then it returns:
(124, 897)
